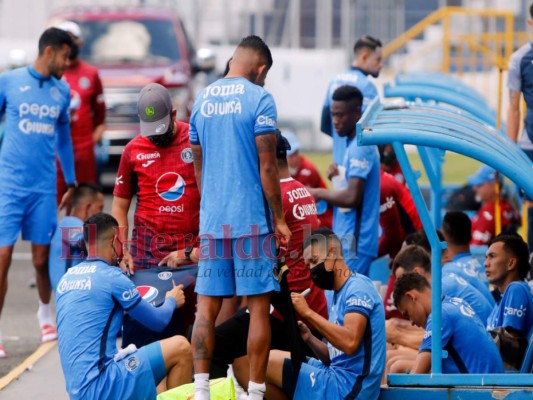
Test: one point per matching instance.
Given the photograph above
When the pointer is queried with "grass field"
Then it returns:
(455, 170)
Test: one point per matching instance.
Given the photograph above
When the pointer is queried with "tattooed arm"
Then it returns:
(197, 159)
(268, 167)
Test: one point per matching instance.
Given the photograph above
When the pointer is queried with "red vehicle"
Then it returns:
(131, 48)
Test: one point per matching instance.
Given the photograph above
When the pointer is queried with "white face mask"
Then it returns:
(293, 171)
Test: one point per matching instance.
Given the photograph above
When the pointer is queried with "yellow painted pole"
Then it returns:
(446, 42)
(497, 205)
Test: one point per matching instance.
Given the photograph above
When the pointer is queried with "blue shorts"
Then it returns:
(134, 377)
(242, 266)
(35, 214)
(314, 381)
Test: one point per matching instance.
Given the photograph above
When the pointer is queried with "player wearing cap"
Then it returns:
(483, 224)
(87, 109)
(233, 139)
(35, 102)
(156, 166)
(91, 300)
(366, 61)
(303, 170)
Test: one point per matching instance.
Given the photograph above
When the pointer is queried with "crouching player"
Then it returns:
(91, 299)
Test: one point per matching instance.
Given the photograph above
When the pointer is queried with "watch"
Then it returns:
(188, 251)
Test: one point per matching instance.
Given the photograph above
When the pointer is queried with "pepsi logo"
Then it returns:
(170, 186)
(148, 293)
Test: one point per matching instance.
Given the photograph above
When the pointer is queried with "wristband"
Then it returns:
(188, 251)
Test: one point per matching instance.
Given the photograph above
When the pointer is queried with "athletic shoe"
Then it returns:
(3, 353)
(48, 333)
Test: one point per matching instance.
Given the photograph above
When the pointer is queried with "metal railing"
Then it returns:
(472, 39)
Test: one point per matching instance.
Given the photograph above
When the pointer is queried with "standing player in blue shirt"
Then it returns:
(470, 348)
(356, 214)
(507, 265)
(520, 81)
(91, 300)
(35, 103)
(367, 61)
(350, 364)
(233, 139)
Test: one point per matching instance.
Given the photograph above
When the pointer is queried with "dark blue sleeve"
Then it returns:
(325, 121)
(154, 318)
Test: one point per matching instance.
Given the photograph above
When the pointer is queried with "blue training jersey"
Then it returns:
(227, 117)
(514, 310)
(353, 77)
(91, 298)
(520, 79)
(359, 374)
(456, 286)
(358, 228)
(65, 248)
(469, 347)
(37, 124)
(469, 268)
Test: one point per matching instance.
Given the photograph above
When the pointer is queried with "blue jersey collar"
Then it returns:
(461, 255)
(40, 77)
(89, 259)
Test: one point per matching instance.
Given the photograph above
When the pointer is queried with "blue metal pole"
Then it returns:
(436, 252)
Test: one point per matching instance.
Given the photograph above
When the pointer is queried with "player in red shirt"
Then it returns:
(303, 170)
(157, 167)
(87, 108)
(389, 163)
(483, 224)
(397, 215)
(397, 218)
(299, 209)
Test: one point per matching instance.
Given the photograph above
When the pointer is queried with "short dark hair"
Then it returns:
(349, 94)
(407, 282)
(531, 11)
(98, 224)
(282, 146)
(320, 235)
(515, 245)
(420, 238)
(54, 37)
(410, 257)
(457, 228)
(366, 42)
(256, 43)
(85, 189)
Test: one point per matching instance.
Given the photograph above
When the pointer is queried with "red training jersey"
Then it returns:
(397, 215)
(87, 104)
(484, 225)
(299, 209)
(309, 176)
(168, 200)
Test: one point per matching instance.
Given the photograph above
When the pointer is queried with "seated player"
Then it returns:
(507, 265)
(91, 300)
(469, 347)
(350, 363)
